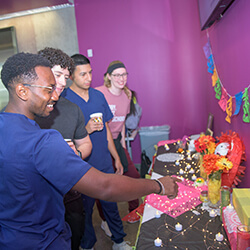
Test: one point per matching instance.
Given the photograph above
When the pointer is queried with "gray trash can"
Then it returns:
(150, 136)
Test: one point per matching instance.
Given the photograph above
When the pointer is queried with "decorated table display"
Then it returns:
(186, 222)
(181, 223)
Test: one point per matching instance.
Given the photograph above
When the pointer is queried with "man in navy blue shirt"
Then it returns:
(37, 167)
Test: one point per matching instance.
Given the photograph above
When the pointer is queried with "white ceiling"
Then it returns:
(11, 6)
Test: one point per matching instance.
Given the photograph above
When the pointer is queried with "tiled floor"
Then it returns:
(103, 241)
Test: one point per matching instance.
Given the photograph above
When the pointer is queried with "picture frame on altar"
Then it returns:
(209, 132)
(210, 120)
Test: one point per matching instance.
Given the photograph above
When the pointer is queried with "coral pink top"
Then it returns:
(120, 107)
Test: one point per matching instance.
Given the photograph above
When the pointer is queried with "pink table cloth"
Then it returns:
(188, 198)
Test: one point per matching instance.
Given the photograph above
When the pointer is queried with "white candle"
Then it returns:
(177, 163)
(230, 207)
(157, 214)
(219, 237)
(194, 177)
(181, 171)
(178, 227)
(189, 156)
(166, 147)
(212, 213)
(191, 171)
(188, 166)
(158, 242)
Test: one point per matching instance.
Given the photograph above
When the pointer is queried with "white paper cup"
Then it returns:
(97, 117)
(67, 140)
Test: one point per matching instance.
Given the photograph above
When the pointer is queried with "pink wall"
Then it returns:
(230, 42)
(161, 44)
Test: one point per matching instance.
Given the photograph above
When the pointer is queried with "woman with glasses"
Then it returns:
(118, 97)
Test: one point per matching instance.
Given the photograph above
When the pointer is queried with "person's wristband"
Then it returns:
(162, 189)
(79, 153)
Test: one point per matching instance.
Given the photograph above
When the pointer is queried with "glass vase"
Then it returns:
(214, 185)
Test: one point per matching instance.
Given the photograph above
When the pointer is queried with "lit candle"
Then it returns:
(157, 214)
(178, 227)
(219, 237)
(166, 147)
(188, 166)
(191, 171)
(243, 237)
(212, 213)
(177, 163)
(158, 242)
(194, 177)
(181, 171)
(189, 156)
(230, 207)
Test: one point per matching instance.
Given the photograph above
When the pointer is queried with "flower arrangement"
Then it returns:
(220, 161)
(205, 144)
(212, 162)
(216, 164)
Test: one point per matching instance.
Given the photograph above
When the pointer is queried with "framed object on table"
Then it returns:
(210, 119)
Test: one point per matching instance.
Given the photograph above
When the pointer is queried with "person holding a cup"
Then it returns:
(97, 114)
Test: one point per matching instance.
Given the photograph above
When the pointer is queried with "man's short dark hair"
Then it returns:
(80, 59)
(21, 68)
(57, 57)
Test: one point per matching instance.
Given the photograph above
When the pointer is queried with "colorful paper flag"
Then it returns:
(214, 77)
(207, 50)
(229, 110)
(238, 101)
(223, 99)
(246, 116)
(210, 64)
(217, 89)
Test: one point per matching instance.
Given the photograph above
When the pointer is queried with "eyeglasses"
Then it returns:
(117, 76)
(51, 89)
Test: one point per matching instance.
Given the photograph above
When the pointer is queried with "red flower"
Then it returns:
(204, 144)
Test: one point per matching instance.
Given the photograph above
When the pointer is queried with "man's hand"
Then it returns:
(170, 185)
(119, 167)
(92, 126)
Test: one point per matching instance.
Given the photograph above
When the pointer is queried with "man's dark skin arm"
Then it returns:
(112, 187)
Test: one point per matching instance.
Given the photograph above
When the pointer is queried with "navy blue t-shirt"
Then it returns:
(37, 167)
(100, 156)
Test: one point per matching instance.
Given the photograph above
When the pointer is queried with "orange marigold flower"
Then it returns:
(211, 147)
(224, 163)
(209, 163)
